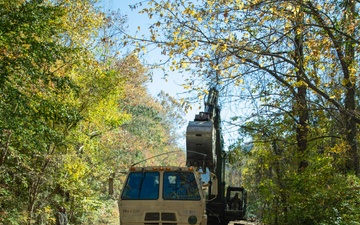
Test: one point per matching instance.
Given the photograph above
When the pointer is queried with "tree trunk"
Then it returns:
(7, 135)
(350, 85)
(300, 105)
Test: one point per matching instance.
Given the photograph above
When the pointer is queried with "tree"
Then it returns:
(340, 32)
(65, 114)
(296, 60)
(41, 51)
(279, 39)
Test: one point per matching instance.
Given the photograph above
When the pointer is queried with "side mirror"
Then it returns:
(111, 186)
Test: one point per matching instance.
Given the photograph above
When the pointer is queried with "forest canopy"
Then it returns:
(289, 70)
(73, 113)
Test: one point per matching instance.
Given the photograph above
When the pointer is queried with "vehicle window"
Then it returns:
(141, 185)
(180, 186)
(235, 200)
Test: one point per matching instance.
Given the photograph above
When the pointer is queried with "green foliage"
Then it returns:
(62, 112)
(289, 70)
(65, 116)
(68, 120)
(323, 196)
(280, 194)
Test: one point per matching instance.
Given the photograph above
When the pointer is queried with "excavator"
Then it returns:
(194, 194)
(203, 135)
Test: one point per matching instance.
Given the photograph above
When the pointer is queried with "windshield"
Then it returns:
(141, 185)
(180, 186)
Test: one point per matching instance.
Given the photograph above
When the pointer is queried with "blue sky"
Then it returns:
(173, 85)
(136, 20)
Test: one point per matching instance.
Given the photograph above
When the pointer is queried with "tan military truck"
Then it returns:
(162, 196)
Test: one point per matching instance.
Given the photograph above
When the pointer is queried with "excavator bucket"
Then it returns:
(200, 143)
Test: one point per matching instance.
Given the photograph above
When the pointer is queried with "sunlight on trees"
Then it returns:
(74, 109)
(295, 64)
(65, 113)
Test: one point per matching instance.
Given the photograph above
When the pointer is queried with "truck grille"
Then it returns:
(152, 216)
(168, 216)
(155, 216)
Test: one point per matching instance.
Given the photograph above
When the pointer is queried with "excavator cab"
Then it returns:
(235, 203)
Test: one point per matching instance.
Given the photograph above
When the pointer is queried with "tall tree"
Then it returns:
(300, 45)
(341, 32)
(43, 47)
(65, 114)
(297, 59)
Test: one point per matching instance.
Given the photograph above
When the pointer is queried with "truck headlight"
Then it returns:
(192, 219)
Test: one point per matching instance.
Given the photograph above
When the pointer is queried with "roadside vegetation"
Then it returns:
(75, 111)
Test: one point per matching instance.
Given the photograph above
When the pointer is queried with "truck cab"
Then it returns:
(162, 196)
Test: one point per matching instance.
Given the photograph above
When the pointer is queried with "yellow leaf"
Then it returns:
(184, 65)
(189, 53)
